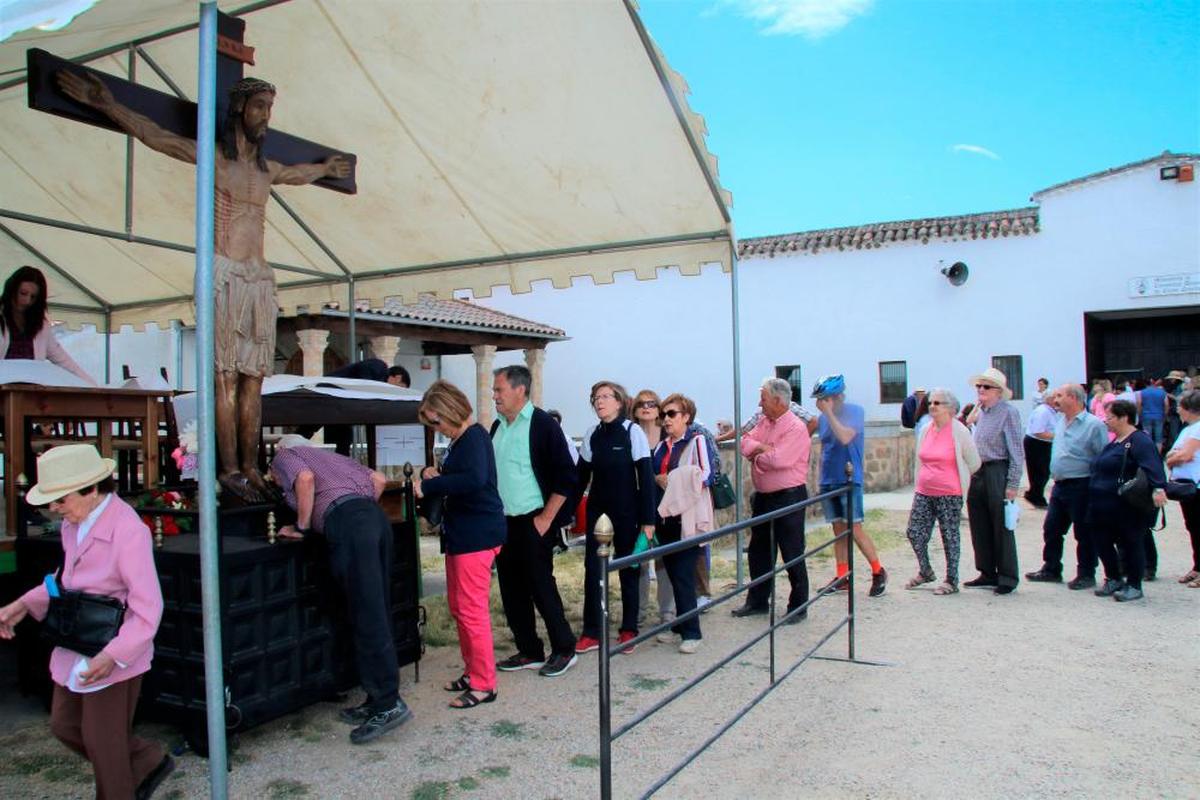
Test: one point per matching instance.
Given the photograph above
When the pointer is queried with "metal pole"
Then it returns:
(737, 408)
(604, 535)
(850, 556)
(129, 153)
(214, 681)
(352, 350)
(771, 600)
(107, 346)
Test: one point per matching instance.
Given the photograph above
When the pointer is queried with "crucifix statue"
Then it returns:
(245, 307)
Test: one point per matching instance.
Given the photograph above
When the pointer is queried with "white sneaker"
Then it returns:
(667, 637)
(689, 646)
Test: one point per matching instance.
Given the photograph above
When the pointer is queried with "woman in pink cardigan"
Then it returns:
(24, 329)
(107, 550)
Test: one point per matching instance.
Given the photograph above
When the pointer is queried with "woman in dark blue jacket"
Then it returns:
(1116, 523)
(473, 529)
(615, 458)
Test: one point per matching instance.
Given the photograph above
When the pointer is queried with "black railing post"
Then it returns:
(771, 618)
(849, 506)
(604, 536)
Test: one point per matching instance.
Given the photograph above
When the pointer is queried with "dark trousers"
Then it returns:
(1068, 506)
(1126, 532)
(1037, 466)
(99, 727)
(1191, 521)
(525, 568)
(995, 545)
(625, 533)
(681, 569)
(360, 557)
(789, 539)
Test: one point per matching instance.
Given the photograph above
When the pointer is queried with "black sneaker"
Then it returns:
(1043, 575)
(1127, 593)
(878, 583)
(1082, 582)
(157, 775)
(382, 722)
(982, 580)
(557, 664)
(1111, 586)
(355, 715)
(517, 662)
(748, 611)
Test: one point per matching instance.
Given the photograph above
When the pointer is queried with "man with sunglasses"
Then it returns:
(998, 437)
(536, 476)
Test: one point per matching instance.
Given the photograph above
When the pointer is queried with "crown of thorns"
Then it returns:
(250, 87)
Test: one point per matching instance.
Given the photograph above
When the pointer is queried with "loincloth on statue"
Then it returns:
(244, 314)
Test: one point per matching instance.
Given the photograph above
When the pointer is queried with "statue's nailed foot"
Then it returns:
(239, 486)
(269, 491)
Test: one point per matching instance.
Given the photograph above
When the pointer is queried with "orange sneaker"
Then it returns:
(587, 644)
(627, 636)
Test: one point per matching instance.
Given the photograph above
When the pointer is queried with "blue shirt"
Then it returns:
(1153, 400)
(834, 454)
(1076, 446)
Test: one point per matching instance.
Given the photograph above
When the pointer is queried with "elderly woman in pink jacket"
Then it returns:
(107, 550)
(685, 508)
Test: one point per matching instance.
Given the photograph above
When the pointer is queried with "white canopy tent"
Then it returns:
(498, 143)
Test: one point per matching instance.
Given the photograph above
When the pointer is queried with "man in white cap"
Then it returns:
(336, 496)
(998, 437)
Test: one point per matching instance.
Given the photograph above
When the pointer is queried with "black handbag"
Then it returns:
(722, 492)
(1181, 489)
(81, 622)
(1136, 491)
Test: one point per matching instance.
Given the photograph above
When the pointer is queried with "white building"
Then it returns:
(1101, 275)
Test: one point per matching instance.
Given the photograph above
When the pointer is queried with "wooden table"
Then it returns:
(22, 402)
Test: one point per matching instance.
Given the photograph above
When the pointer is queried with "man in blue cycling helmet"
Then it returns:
(841, 429)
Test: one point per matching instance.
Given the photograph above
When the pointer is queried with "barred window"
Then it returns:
(1013, 370)
(791, 374)
(893, 381)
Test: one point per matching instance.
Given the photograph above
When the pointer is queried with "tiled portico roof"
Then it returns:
(1017, 222)
(460, 313)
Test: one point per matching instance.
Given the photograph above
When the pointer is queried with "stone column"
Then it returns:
(485, 409)
(385, 347)
(534, 359)
(312, 343)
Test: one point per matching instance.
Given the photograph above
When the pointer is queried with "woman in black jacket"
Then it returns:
(473, 528)
(615, 458)
(1115, 522)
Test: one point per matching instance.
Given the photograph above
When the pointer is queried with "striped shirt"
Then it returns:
(998, 437)
(336, 476)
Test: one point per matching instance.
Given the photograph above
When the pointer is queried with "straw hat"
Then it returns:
(293, 440)
(68, 468)
(1177, 375)
(993, 377)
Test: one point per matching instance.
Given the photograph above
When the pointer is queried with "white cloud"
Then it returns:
(810, 18)
(976, 149)
(45, 15)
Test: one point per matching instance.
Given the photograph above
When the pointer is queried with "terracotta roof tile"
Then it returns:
(430, 309)
(1016, 222)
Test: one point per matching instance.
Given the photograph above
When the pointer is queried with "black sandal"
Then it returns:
(463, 684)
(468, 699)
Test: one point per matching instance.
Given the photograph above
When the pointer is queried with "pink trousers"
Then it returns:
(468, 584)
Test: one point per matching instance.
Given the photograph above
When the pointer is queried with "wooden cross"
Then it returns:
(172, 113)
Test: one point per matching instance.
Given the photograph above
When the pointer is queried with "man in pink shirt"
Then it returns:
(778, 450)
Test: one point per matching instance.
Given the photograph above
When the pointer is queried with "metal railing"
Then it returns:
(604, 535)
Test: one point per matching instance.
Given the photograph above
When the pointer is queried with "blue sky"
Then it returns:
(842, 112)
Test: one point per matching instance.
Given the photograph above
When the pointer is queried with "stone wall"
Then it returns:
(888, 462)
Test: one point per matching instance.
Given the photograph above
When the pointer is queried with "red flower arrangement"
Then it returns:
(172, 525)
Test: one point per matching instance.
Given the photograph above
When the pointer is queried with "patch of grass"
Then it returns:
(466, 783)
(174, 794)
(495, 772)
(281, 788)
(31, 764)
(432, 790)
(67, 773)
(507, 729)
(645, 683)
(585, 762)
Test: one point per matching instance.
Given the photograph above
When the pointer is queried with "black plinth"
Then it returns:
(285, 632)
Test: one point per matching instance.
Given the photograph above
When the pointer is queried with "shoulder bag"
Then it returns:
(81, 622)
(1136, 491)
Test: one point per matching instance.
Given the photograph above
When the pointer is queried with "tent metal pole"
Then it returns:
(206, 140)
(351, 334)
(737, 404)
(104, 305)
(107, 346)
(182, 248)
(129, 152)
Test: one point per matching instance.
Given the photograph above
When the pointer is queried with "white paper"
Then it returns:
(73, 679)
(44, 373)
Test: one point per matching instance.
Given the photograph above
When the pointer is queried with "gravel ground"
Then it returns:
(1044, 692)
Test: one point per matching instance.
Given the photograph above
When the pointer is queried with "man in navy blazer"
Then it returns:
(537, 479)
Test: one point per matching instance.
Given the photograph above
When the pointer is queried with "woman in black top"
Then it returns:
(1116, 523)
(615, 458)
(473, 529)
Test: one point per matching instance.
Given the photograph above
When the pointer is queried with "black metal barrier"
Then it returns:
(604, 535)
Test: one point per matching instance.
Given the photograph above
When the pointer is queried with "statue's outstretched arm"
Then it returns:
(300, 174)
(88, 90)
